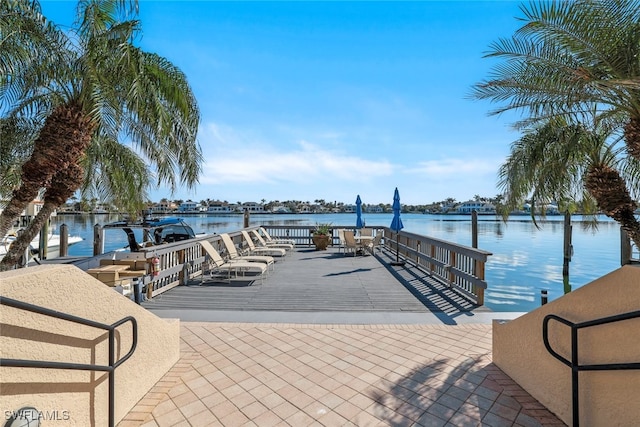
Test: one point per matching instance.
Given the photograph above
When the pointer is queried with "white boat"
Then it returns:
(53, 244)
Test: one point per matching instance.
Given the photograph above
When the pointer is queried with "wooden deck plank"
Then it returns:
(312, 280)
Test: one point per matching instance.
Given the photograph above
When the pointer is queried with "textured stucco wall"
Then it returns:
(70, 397)
(606, 398)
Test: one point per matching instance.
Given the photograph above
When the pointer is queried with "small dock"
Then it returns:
(311, 286)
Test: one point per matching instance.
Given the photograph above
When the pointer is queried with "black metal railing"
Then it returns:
(574, 363)
(110, 369)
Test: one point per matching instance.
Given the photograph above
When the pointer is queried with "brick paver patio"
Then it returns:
(356, 343)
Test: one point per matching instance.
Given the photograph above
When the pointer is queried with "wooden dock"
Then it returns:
(321, 281)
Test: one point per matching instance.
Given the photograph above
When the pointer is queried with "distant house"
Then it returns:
(304, 208)
(219, 207)
(188, 206)
(349, 208)
(549, 208)
(252, 207)
(163, 207)
(375, 209)
(280, 209)
(474, 205)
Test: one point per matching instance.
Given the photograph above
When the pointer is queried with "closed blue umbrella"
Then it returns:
(396, 224)
(359, 224)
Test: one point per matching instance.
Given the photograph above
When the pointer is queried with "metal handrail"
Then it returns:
(110, 369)
(574, 363)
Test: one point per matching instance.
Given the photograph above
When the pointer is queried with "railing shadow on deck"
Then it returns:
(434, 294)
(460, 267)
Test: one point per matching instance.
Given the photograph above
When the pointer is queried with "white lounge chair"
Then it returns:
(274, 240)
(263, 250)
(221, 269)
(234, 256)
(261, 242)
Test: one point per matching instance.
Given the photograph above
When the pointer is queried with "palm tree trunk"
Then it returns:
(632, 137)
(20, 245)
(610, 192)
(63, 185)
(62, 140)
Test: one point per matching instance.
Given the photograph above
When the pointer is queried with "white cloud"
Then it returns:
(455, 168)
(232, 157)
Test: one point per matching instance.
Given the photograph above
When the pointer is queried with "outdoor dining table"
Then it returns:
(364, 241)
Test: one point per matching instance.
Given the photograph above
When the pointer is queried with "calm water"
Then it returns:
(525, 259)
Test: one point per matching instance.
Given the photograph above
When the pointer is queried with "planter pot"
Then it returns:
(321, 241)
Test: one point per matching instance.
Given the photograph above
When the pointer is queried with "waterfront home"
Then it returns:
(548, 208)
(164, 206)
(219, 207)
(480, 207)
(280, 209)
(375, 209)
(252, 207)
(191, 206)
(349, 208)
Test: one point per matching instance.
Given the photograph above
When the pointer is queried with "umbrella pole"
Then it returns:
(397, 261)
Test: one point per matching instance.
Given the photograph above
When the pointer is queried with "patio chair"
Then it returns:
(343, 245)
(350, 243)
(221, 269)
(375, 243)
(261, 242)
(274, 240)
(263, 250)
(366, 231)
(234, 256)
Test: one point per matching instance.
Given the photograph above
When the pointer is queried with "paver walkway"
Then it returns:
(331, 375)
(431, 369)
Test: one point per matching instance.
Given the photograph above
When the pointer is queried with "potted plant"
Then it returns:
(321, 236)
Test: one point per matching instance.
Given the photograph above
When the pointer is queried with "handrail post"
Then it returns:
(112, 380)
(575, 369)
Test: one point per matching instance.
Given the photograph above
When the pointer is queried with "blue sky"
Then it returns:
(328, 100)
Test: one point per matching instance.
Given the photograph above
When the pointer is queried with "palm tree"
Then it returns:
(101, 89)
(569, 56)
(564, 162)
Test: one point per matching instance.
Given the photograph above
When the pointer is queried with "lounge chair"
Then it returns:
(261, 242)
(272, 251)
(351, 244)
(221, 269)
(234, 256)
(274, 240)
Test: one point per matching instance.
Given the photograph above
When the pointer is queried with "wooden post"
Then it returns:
(246, 217)
(64, 240)
(44, 241)
(474, 229)
(479, 268)
(568, 248)
(98, 244)
(625, 248)
(452, 263)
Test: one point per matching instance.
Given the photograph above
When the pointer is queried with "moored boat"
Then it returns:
(53, 244)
